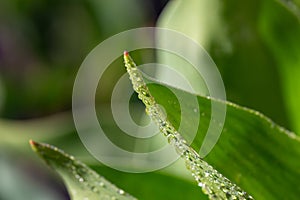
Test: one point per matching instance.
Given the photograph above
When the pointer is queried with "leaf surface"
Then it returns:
(81, 181)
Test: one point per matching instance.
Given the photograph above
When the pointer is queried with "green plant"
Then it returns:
(255, 46)
(247, 167)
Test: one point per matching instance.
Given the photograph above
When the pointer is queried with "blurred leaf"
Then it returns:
(292, 5)
(130, 14)
(231, 32)
(13, 133)
(154, 185)
(198, 19)
(281, 33)
(81, 181)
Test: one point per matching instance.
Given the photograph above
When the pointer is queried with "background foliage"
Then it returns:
(42, 44)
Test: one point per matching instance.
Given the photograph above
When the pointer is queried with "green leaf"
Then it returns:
(258, 155)
(293, 6)
(154, 185)
(281, 32)
(81, 181)
(214, 184)
(255, 46)
(252, 151)
(13, 133)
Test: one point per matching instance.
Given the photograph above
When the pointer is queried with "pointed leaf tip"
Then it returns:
(33, 144)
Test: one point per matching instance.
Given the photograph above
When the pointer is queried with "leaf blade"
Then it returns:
(258, 150)
(212, 183)
(81, 181)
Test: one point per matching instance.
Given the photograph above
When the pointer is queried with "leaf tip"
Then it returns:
(33, 144)
(127, 59)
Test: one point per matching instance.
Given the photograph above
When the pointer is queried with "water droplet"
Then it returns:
(206, 174)
(81, 179)
(76, 175)
(121, 192)
(172, 139)
(211, 181)
(200, 184)
(101, 184)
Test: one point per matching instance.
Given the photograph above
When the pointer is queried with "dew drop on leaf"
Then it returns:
(209, 179)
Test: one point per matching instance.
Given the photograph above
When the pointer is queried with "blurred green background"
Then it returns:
(42, 45)
(254, 43)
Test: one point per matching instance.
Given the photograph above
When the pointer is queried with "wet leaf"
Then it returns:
(252, 151)
(82, 182)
